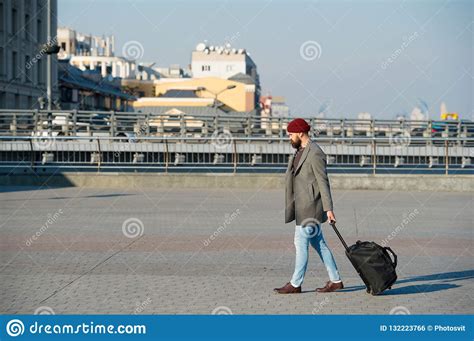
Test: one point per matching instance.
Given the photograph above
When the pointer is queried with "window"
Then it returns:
(206, 68)
(3, 100)
(39, 31)
(14, 27)
(14, 64)
(65, 94)
(2, 20)
(39, 72)
(27, 69)
(27, 27)
(2, 63)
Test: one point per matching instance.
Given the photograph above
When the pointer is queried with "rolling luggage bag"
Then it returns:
(373, 264)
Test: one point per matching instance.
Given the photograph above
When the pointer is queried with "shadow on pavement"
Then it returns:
(73, 197)
(419, 288)
(443, 277)
(94, 196)
(446, 276)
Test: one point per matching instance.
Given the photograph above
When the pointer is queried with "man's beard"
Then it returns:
(296, 144)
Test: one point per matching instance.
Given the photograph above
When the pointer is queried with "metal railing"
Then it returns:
(121, 124)
(228, 153)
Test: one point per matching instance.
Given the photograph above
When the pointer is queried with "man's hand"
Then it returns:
(331, 217)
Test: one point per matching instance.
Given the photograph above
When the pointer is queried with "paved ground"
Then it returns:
(125, 251)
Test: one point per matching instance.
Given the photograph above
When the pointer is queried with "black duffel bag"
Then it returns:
(373, 264)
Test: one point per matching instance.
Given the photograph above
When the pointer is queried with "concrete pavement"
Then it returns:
(203, 251)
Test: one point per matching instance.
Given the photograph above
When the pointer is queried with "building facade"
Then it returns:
(226, 62)
(88, 90)
(221, 62)
(75, 43)
(209, 92)
(88, 52)
(23, 32)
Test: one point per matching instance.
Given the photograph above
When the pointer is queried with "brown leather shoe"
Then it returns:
(288, 289)
(330, 287)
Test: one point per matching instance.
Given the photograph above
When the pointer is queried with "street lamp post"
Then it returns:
(50, 48)
(216, 94)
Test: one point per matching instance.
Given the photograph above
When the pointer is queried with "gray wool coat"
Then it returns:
(308, 193)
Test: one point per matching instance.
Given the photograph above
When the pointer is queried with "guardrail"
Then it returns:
(228, 153)
(119, 124)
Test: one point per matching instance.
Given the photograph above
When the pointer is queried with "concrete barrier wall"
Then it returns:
(459, 183)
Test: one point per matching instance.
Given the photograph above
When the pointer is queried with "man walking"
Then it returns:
(309, 203)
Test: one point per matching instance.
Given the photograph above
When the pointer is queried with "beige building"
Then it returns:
(200, 92)
(225, 62)
(223, 78)
(221, 62)
(22, 61)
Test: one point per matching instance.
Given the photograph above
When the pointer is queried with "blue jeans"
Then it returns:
(312, 235)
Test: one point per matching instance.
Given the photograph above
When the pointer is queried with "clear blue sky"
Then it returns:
(430, 44)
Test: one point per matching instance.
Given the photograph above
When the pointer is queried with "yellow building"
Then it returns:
(200, 92)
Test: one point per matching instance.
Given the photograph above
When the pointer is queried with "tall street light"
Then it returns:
(216, 94)
(50, 48)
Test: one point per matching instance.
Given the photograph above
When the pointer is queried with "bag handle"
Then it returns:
(333, 224)
(393, 254)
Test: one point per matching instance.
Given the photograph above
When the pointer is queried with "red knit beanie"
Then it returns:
(298, 125)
